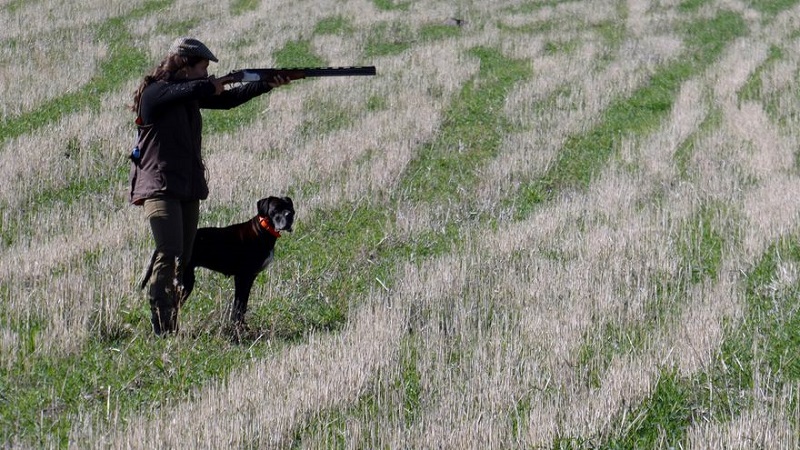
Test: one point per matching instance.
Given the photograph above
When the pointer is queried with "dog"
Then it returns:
(242, 250)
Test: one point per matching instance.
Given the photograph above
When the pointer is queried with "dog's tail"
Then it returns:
(147, 272)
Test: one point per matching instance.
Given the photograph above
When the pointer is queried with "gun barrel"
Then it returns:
(338, 71)
(247, 75)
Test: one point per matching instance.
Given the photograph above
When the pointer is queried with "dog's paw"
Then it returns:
(239, 332)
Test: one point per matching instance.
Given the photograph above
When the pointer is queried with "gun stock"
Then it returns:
(247, 75)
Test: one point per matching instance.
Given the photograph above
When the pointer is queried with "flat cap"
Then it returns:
(186, 46)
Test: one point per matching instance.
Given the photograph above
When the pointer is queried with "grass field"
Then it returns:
(557, 225)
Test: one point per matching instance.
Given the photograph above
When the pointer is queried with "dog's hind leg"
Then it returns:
(188, 283)
(243, 285)
(148, 271)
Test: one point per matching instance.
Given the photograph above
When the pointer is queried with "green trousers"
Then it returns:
(174, 225)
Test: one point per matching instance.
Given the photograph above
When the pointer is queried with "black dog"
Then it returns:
(242, 250)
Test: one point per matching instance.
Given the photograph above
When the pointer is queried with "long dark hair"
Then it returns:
(171, 68)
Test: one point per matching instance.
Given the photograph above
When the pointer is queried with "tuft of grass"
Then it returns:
(297, 54)
(409, 382)
(325, 116)
(391, 5)
(336, 25)
(377, 103)
(179, 28)
(773, 7)
(683, 155)
(238, 7)
(554, 47)
(664, 417)
(690, 6)
(436, 32)
(388, 39)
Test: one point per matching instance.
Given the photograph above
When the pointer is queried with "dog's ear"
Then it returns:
(263, 206)
(289, 201)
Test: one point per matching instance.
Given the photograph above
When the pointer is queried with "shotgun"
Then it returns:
(247, 75)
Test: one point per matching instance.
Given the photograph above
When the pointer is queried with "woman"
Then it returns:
(167, 173)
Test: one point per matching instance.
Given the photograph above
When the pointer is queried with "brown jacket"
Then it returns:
(170, 137)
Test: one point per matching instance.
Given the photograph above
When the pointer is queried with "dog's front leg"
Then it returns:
(243, 285)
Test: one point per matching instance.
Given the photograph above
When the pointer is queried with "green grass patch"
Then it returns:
(773, 101)
(298, 54)
(177, 28)
(772, 319)
(15, 5)
(471, 133)
(238, 7)
(332, 428)
(554, 47)
(683, 155)
(529, 29)
(529, 7)
(377, 103)
(699, 243)
(691, 6)
(132, 374)
(122, 65)
(391, 5)
(772, 7)
(613, 32)
(227, 121)
(336, 25)
(436, 32)
(70, 193)
(665, 416)
(409, 383)
(751, 91)
(701, 246)
(388, 39)
(325, 116)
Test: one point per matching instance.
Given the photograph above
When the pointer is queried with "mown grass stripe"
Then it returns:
(584, 155)
(724, 390)
(471, 132)
(764, 341)
(700, 249)
(683, 155)
(123, 63)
